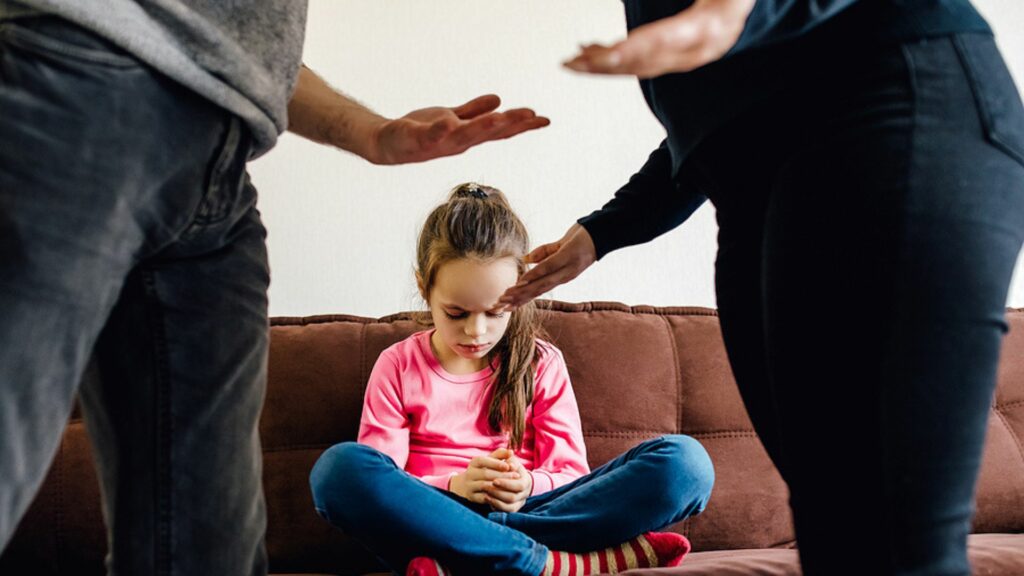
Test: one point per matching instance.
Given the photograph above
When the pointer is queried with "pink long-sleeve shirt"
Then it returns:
(432, 422)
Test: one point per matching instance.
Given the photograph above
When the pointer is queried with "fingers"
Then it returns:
(502, 506)
(477, 106)
(550, 273)
(674, 44)
(494, 126)
(503, 495)
(513, 485)
(542, 252)
(490, 463)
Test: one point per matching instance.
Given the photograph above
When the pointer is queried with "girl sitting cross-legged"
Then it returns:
(470, 458)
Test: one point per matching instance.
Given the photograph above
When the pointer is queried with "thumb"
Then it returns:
(501, 453)
(541, 253)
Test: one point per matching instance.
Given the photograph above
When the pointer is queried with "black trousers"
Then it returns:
(870, 215)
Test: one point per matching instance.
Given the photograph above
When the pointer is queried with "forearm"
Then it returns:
(649, 205)
(324, 115)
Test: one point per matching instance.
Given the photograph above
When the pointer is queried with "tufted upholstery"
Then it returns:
(638, 372)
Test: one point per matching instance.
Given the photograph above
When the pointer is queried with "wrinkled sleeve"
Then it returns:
(384, 425)
(649, 205)
(561, 455)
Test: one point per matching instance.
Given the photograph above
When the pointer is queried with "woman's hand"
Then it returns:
(477, 479)
(556, 263)
(698, 35)
(509, 494)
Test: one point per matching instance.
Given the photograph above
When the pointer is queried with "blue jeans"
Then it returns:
(130, 244)
(398, 517)
(865, 254)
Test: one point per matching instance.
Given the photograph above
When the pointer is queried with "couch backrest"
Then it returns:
(637, 372)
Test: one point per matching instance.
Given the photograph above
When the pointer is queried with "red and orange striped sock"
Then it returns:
(649, 550)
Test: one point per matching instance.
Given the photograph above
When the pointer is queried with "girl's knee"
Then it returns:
(336, 469)
(689, 468)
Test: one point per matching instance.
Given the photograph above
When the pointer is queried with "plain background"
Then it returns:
(342, 232)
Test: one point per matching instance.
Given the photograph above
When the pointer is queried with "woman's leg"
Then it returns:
(890, 243)
(361, 491)
(656, 483)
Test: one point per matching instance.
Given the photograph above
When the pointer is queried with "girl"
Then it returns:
(470, 452)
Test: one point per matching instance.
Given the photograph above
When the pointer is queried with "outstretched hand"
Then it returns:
(556, 263)
(436, 132)
(696, 36)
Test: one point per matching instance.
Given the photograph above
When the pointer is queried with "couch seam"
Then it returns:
(1013, 433)
(363, 377)
(679, 374)
(1014, 404)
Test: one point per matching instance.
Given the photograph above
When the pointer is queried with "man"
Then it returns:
(129, 234)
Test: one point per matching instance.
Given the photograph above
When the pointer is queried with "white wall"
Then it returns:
(342, 232)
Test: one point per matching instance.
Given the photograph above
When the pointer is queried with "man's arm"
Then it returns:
(322, 114)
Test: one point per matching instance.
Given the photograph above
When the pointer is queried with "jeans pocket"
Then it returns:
(999, 103)
(226, 190)
(57, 39)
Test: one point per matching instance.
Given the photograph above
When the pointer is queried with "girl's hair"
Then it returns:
(477, 222)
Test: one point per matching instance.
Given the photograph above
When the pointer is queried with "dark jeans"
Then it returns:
(656, 483)
(129, 236)
(870, 218)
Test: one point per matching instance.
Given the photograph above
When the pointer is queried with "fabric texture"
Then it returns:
(243, 56)
(432, 422)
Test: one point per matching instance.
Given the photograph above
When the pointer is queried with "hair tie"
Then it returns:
(474, 191)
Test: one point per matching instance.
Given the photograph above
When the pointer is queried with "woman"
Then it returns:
(865, 157)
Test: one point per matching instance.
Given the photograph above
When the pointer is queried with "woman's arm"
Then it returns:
(649, 205)
(703, 33)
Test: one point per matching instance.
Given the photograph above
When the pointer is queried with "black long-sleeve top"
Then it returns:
(692, 105)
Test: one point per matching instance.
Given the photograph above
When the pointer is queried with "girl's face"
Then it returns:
(464, 305)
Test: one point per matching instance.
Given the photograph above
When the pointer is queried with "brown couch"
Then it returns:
(678, 380)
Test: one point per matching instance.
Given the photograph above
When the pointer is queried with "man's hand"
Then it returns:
(436, 132)
(557, 263)
(473, 483)
(509, 494)
(698, 35)
(322, 114)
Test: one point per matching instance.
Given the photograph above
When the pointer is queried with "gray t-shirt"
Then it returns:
(243, 55)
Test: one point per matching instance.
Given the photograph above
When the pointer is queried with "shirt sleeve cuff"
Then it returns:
(542, 482)
(439, 481)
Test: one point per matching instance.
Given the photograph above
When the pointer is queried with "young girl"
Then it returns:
(470, 453)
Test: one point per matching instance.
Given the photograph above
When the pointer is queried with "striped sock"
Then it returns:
(649, 550)
(423, 566)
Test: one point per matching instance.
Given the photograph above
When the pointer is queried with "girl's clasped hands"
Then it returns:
(498, 479)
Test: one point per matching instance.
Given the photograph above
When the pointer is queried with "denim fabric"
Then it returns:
(130, 243)
(398, 517)
(866, 248)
